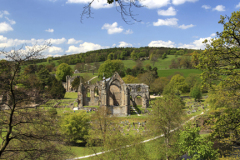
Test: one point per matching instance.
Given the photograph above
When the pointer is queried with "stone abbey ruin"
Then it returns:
(111, 93)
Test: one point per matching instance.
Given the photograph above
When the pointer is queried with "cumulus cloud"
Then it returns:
(154, 3)
(54, 49)
(129, 31)
(56, 41)
(96, 4)
(84, 47)
(166, 22)
(124, 44)
(5, 42)
(2, 13)
(219, 8)
(171, 22)
(206, 6)
(213, 34)
(186, 26)
(49, 30)
(238, 5)
(112, 28)
(178, 2)
(169, 12)
(197, 44)
(161, 43)
(5, 27)
(73, 41)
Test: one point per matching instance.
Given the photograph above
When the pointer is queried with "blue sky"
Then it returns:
(164, 23)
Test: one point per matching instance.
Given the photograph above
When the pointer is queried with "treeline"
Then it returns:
(117, 53)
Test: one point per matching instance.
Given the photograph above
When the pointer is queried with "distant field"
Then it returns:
(46, 63)
(161, 64)
(186, 72)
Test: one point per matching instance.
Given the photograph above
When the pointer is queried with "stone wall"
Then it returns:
(113, 94)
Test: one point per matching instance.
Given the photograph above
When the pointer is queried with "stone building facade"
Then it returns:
(67, 85)
(113, 94)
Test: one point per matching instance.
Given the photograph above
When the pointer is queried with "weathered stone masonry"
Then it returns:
(113, 94)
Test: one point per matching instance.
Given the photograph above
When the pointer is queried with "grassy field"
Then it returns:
(46, 63)
(185, 72)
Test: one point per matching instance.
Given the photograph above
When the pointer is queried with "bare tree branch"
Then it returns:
(124, 7)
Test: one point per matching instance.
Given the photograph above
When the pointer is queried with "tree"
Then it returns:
(109, 67)
(75, 126)
(154, 59)
(122, 6)
(130, 79)
(177, 85)
(107, 134)
(27, 132)
(158, 85)
(49, 59)
(149, 67)
(192, 79)
(166, 115)
(220, 65)
(196, 92)
(79, 67)
(30, 69)
(164, 55)
(43, 76)
(62, 71)
(194, 145)
(147, 78)
(56, 89)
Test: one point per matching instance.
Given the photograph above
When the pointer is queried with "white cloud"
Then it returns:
(49, 30)
(3, 13)
(166, 22)
(154, 3)
(129, 31)
(73, 41)
(238, 5)
(169, 12)
(5, 27)
(97, 4)
(86, 46)
(219, 8)
(57, 41)
(161, 43)
(186, 26)
(213, 35)
(5, 42)
(54, 49)
(197, 44)
(112, 28)
(124, 44)
(178, 2)
(114, 45)
(171, 22)
(10, 21)
(206, 6)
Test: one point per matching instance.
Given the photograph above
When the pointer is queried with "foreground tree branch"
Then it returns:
(124, 7)
(26, 131)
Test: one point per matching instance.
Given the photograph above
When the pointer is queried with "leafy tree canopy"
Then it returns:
(109, 67)
(62, 71)
(75, 126)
